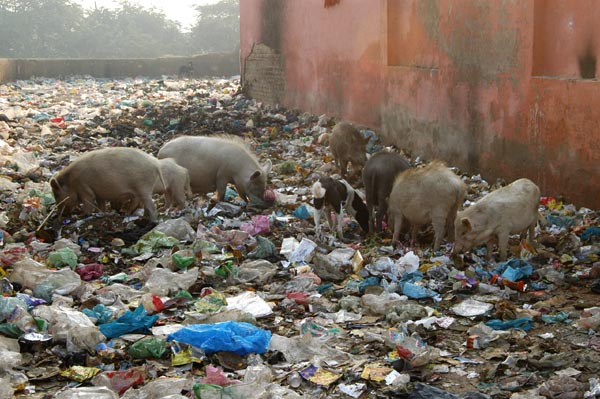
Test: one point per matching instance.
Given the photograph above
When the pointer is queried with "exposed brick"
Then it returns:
(264, 75)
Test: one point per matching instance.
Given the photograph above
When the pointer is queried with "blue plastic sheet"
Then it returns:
(136, 321)
(301, 212)
(524, 323)
(413, 290)
(514, 269)
(590, 232)
(229, 336)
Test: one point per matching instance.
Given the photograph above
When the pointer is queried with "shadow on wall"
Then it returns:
(209, 65)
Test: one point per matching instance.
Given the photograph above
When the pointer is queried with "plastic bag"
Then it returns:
(258, 225)
(229, 336)
(122, 380)
(136, 321)
(148, 348)
(88, 393)
(264, 249)
(151, 242)
(62, 282)
(163, 282)
(100, 313)
(523, 323)
(61, 258)
(90, 271)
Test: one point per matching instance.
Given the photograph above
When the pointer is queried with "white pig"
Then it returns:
(213, 162)
(176, 188)
(508, 210)
(431, 194)
(108, 174)
(177, 183)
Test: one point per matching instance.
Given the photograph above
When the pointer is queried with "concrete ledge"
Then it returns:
(210, 65)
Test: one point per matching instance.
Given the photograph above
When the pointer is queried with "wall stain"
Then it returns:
(272, 21)
(474, 47)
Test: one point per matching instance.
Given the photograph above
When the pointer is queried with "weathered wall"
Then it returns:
(501, 87)
(204, 66)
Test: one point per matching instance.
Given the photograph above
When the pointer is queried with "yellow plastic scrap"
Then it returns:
(324, 377)
(375, 372)
(80, 373)
(357, 262)
(183, 357)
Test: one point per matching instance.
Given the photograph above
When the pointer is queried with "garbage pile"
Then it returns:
(237, 300)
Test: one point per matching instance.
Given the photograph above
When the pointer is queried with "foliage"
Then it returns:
(217, 27)
(63, 29)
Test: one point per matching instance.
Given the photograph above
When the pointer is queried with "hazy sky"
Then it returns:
(177, 10)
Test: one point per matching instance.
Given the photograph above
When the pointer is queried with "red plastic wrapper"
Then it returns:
(91, 271)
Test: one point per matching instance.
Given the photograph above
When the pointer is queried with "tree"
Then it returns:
(217, 28)
(62, 29)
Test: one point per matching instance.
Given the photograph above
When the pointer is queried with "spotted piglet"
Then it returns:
(339, 196)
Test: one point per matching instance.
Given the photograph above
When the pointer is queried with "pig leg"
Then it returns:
(503, 244)
(331, 220)
(382, 210)
(149, 207)
(317, 220)
(439, 227)
(372, 221)
(222, 187)
(397, 228)
(88, 199)
(531, 235)
(340, 223)
(343, 168)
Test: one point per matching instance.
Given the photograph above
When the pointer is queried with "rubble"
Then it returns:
(236, 300)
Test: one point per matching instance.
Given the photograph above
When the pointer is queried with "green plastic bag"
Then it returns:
(61, 258)
(11, 330)
(150, 242)
(148, 348)
(183, 262)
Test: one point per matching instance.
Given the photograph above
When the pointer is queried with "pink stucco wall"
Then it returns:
(493, 86)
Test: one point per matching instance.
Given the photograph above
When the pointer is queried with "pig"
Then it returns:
(177, 183)
(378, 177)
(339, 196)
(508, 210)
(430, 194)
(347, 145)
(176, 188)
(213, 162)
(108, 174)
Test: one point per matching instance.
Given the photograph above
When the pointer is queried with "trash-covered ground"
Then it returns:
(224, 300)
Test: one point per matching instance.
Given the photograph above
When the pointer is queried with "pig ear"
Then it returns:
(54, 184)
(256, 174)
(267, 166)
(467, 223)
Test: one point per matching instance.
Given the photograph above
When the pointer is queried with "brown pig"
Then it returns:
(378, 177)
(213, 162)
(508, 210)
(431, 194)
(108, 174)
(347, 145)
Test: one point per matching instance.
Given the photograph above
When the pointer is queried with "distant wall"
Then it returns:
(209, 65)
